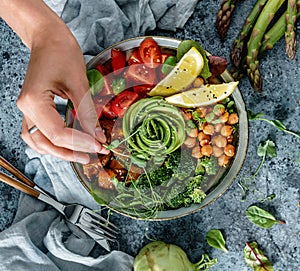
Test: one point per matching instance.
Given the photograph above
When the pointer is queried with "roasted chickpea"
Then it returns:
(216, 151)
(229, 139)
(190, 142)
(193, 132)
(219, 140)
(223, 160)
(233, 118)
(218, 127)
(187, 115)
(196, 152)
(226, 130)
(203, 138)
(198, 82)
(224, 117)
(208, 129)
(206, 150)
(201, 111)
(229, 150)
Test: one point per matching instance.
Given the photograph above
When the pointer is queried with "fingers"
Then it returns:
(38, 142)
(85, 111)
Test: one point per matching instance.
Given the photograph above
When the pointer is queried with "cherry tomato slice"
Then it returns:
(142, 90)
(139, 73)
(122, 101)
(150, 52)
(134, 58)
(118, 60)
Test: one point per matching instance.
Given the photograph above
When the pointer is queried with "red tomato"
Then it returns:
(103, 106)
(103, 69)
(107, 75)
(141, 74)
(164, 57)
(122, 101)
(135, 58)
(118, 60)
(142, 90)
(150, 52)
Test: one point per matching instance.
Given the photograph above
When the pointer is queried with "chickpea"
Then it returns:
(229, 150)
(223, 160)
(216, 151)
(196, 152)
(187, 115)
(219, 140)
(193, 132)
(233, 118)
(201, 111)
(202, 136)
(190, 142)
(224, 117)
(219, 111)
(229, 139)
(206, 150)
(198, 82)
(218, 127)
(226, 130)
(208, 129)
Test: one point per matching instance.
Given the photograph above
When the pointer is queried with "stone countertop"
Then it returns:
(280, 175)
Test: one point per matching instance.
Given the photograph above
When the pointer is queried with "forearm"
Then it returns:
(33, 21)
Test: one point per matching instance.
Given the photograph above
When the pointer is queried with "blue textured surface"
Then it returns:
(280, 175)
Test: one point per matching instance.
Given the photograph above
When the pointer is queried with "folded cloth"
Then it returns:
(39, 238)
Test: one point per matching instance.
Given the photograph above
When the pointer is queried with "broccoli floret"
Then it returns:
(210, 164)
(197, 195)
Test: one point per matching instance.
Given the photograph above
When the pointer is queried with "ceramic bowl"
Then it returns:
(222, 183)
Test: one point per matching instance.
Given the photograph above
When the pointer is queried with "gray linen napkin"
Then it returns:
(39, 238)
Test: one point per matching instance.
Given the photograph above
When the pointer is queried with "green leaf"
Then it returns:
(185, 46)
(118, 85)
(278, 124)
(96, 81)
(169, 64)
(267, 148)
(254, 116)
(261, 217)
(255, 258)
(113, 144)
(215, 239)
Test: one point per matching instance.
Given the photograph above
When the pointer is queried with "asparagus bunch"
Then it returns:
(259, 34)
(290, 34)
(254, 43)
(239, 44)
(224, 17)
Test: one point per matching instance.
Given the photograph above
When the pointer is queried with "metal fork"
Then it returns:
(96, 226)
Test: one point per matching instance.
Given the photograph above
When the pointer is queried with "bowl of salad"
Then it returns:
(176, 127)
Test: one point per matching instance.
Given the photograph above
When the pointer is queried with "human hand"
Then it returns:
(57, 67)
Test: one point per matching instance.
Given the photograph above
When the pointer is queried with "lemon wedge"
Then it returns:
(181, 76)
(202, 96)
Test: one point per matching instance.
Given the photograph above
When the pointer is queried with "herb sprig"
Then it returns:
(276, 123)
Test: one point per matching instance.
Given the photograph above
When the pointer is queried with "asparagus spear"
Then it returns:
(276, 32)
(255, 40)
(237, 51)
(224, 16)
(290, 34)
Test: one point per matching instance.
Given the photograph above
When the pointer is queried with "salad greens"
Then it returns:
(255, 258)
(276, 123)
(215, 239)
(261, 217)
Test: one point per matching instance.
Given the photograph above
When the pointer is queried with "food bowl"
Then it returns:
(213, 188)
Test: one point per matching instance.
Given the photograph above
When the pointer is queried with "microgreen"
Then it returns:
(276, 123)
(215, 239)
(261, 217)
(255, 258)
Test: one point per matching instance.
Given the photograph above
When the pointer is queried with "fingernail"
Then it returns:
(100, 134)
(100, 149)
